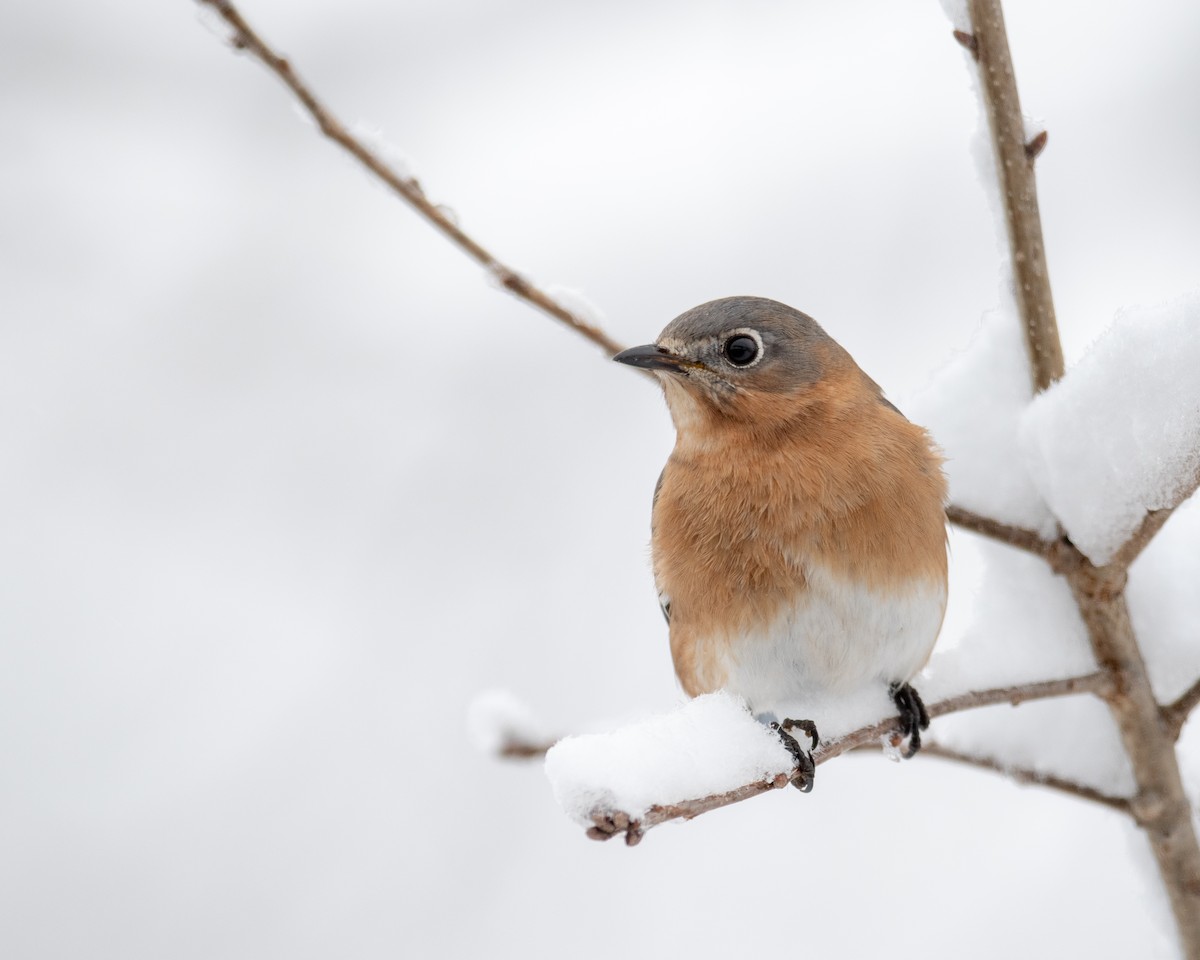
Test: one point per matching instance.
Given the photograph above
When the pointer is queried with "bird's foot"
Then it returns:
(913, 716)
(805, 768)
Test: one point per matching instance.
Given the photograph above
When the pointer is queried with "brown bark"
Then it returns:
(1014, 167)
(1160, 806)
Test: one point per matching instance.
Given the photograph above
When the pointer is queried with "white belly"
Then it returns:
(838, 640)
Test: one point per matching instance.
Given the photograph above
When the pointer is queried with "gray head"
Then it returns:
(739, 347)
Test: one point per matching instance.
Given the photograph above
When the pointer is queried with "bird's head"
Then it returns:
(747, 359)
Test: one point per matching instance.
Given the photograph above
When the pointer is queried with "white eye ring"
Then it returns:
(745, 332)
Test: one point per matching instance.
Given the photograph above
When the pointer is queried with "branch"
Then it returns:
(1014, 536)
(524, 750)
(1161, 806)
(608, 823)
(1175, 714)
(1027, 776)
(1153, 522)
(1096, 683)
(407, 188)
(1014, 166)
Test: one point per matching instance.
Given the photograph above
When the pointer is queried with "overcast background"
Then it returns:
(285, 482)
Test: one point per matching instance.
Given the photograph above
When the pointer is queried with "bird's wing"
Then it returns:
(664, 602)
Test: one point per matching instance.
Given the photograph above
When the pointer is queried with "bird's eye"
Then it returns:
(741, 351)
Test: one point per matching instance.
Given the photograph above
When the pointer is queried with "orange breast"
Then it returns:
(744, 514)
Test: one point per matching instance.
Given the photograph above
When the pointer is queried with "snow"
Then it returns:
(1070, 737)
(973, 408)
(575, 301)
(958, 13)
(1033, 126)
(214, 23)
(709, 745)
(1120, 434)
(286, 485)
(1024, 627)
(1165, 605)
(371, 136)
(498, 720)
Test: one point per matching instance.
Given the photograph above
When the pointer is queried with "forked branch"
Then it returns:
(1176, 714)
(1160, 805)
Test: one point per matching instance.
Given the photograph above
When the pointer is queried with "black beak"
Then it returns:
(652, 357)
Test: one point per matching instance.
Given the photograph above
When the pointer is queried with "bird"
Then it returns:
(798, 532)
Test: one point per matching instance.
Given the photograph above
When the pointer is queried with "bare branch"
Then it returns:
(1027, 776)
(1014, 165)
(1175, 714)
(1014, 536)
(1096, 683)
(405, 187)
(608, 823)
(1060, 554)
(523, 750)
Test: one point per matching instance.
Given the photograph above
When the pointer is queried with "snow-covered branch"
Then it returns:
(1098, 478)
(708, 754)
(1110, 470)
(406, 187)
(1149, 527)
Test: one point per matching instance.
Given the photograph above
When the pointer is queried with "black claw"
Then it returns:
(922, 713)
(913, 716)
(806, 769)
(807, 726)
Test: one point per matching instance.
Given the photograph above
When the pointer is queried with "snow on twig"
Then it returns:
(711, 753)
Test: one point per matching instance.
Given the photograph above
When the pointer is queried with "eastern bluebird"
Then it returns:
(798, 529)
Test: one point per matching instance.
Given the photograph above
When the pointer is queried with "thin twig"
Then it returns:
(407, 188)
(608, 823)
(524, 750)
(1097, 683)
(1027, 776)
(1175, 714)
(1018, 189)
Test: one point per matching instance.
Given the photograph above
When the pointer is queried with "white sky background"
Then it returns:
(284, 482)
